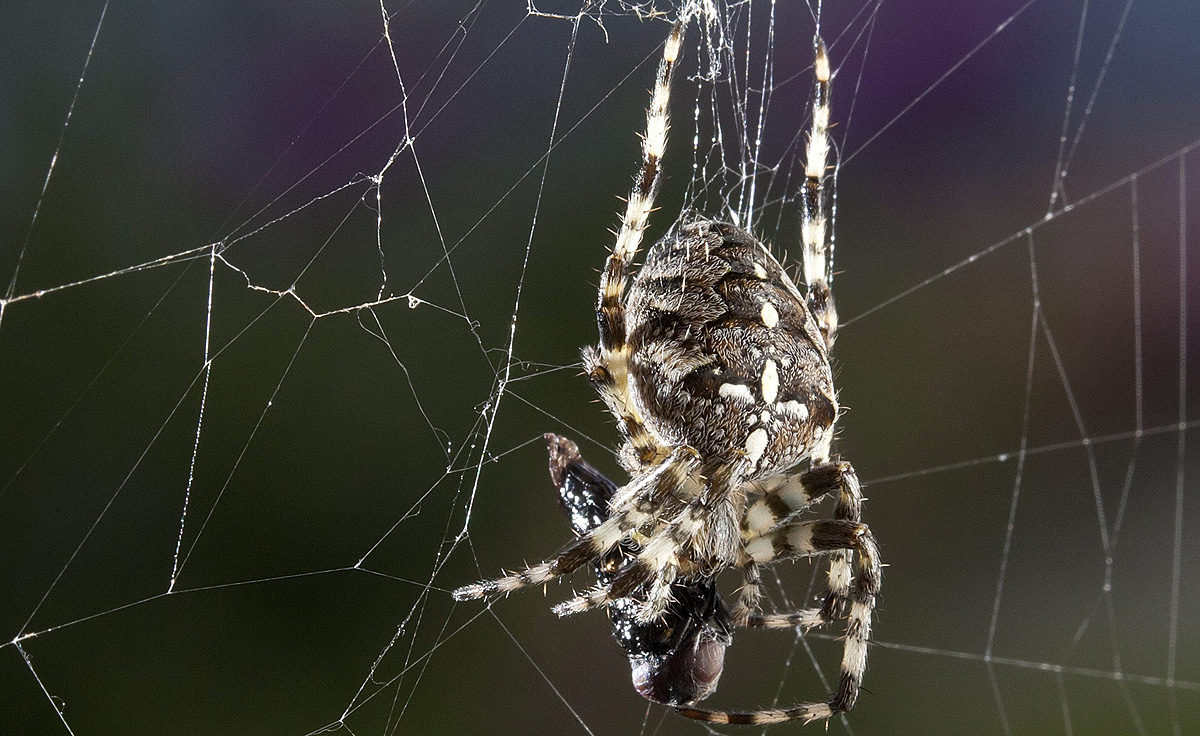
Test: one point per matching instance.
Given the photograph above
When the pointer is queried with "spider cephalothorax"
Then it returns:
(716, 367)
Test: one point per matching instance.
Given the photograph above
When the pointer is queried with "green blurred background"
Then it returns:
(339, 458)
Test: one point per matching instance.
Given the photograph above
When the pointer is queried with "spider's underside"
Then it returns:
(716, 366)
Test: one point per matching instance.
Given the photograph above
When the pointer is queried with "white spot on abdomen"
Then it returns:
(770, 382)
(756, 443)
(797, 409)
(737, 391)
(770, 315)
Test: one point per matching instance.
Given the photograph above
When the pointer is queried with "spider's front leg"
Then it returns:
(659, 486)
(694, 543)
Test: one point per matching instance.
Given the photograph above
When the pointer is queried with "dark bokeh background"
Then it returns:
(324, 447)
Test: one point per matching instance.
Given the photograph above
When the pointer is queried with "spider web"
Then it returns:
(293, 292)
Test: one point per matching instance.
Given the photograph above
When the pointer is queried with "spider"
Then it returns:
(716, 367)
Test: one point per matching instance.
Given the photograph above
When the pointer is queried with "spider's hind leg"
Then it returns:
(852, 593)
(805, 539)
(769, 526)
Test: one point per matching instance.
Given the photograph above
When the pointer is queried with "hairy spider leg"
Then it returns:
(818, 256)
(607, 365)
(805, 539)
(705, 529)
(784, 497)
(750, 595)
(652, 490)
(779, 506)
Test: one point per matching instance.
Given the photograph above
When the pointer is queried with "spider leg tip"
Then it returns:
(467, 592)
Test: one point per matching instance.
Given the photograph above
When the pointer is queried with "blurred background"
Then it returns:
(283, 329)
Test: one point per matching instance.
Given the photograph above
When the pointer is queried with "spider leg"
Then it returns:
(571, 558)
(822, 479)
(662, 480)
(607, 364)
(700, 538)
(860, 596)
(787, 495)
(655, 567)
(634, 575)
(804, 539)
(805, 618)
(818, 248)
(848, 508)
(749, 596)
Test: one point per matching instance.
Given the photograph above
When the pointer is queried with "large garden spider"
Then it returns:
(716, 367)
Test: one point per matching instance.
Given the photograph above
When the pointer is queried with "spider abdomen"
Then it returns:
(724, 355)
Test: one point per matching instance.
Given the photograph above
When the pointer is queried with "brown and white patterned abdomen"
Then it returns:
(724, 355)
